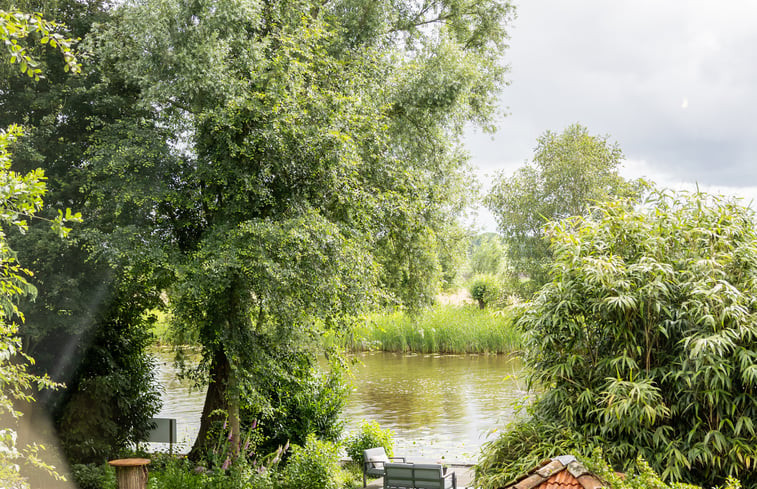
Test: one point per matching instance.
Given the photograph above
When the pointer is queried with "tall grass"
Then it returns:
(161, 327)
(443, 329)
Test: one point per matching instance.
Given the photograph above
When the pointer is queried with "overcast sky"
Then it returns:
(673, 82)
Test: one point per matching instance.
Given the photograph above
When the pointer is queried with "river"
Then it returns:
(440, 407)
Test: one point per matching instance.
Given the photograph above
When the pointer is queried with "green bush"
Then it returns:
(526, 444)
(523, 445)
(176, 474)
(640, 475)
(182, 474)
(93, 476)
(314, 466)
(260, 480)
(301, 399)
(645, 341)
(485, 289)
(371, 435)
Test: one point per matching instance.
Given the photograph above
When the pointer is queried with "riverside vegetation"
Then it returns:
(274, 169)
(441, 329)
(277, 169)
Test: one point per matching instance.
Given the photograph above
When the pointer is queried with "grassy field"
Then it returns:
(443, 329)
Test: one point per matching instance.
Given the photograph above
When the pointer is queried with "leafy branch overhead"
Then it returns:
(17, 27)
(21, 197)
(22, 193)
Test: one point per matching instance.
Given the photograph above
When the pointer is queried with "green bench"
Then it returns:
(418, 476)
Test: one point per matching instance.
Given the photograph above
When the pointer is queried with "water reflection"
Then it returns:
(441, 407)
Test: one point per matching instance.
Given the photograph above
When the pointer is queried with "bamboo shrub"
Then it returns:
(645, 340)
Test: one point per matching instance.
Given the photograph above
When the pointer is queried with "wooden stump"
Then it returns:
(131, 472)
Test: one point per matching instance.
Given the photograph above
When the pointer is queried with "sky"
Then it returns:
(673, 82)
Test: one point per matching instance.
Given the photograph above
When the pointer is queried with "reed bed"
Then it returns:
(442, 329)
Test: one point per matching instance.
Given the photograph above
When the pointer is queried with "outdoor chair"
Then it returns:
(418, 476)
(374, 460)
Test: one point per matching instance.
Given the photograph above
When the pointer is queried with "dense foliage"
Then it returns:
(370, 435)
(273, 167)
(569, 173)
(315, 465)
(87, 326)
(21, 196)
(523, 444)
(302, 400)
(644, 342)
(639, 475)
(16, 29)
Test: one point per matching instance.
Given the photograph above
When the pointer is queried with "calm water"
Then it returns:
(440, 407)
(179, 401)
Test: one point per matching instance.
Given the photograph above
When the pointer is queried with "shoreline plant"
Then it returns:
(485, 289)
(442, 329)
(370, 435)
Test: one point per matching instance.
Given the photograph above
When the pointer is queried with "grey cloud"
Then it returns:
(624, 69)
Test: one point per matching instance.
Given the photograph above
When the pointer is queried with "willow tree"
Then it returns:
(569, 173)
(317, 165)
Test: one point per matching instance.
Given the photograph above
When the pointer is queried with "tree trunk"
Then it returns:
(236, 439)
(223, 388)
(216, 398)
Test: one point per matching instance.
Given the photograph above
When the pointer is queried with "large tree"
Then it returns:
(316, 162)
(569, 173)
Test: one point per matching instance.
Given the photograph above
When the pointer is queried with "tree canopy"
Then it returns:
(569, 173)
(272, 167)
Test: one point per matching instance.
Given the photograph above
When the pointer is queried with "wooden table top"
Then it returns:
(129, 462)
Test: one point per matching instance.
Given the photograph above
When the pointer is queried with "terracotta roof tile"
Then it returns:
(565, 478)
(555, 475)
(561, 480)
